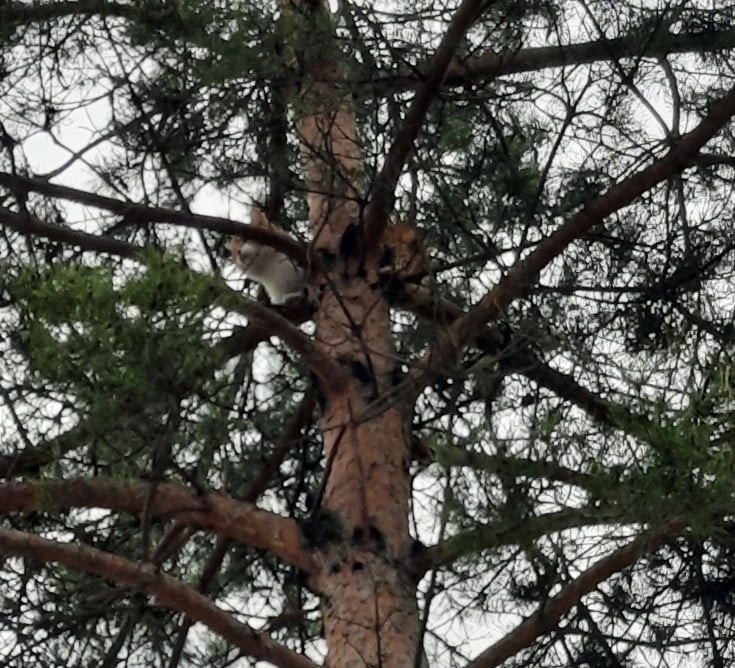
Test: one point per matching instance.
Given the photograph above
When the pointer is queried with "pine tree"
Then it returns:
(516, 450)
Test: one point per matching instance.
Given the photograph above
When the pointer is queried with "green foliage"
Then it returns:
(608, 404)
(689, 467)
(128, 349)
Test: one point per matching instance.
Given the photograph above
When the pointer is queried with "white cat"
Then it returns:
(281, 277)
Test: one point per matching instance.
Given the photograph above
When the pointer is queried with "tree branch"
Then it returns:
(482, 68)
(169, 591)
(465, 328)
(21, 13)
(515, 466)
(329, 372)
(565, 386)
(29, 461)
(491, 536)
(595, 212)
(138, 214)
(556, 607)
(381, 202)
(270, 322)
(211, 511)
(491, 65)
(29, 225)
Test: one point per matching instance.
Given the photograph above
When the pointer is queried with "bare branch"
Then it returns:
(29, 225)
(23, 13)
(213, 512)
(134, 214)
(170, 592)
(637, 45)
(547, 617)
(516, 466)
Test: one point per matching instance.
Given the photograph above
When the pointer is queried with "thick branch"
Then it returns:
(169, 591)
(491, 65)
(547, 618)
(428, 304)
(384, 185)
(213, 512)
(594, 213)
(23, 13)
(471, 70)
(134, 214)
(269, 321)
(212, 567)
(29, 225)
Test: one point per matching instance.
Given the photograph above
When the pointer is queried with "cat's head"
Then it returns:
(248, 254)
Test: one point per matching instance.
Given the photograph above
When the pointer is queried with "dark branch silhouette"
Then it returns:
(135, 214)
(381, 202)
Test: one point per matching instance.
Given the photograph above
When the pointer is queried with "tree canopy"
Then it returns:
(521, 454)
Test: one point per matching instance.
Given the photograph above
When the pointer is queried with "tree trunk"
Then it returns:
(369, 594)
(370, 613)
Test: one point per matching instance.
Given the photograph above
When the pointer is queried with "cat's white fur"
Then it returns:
(281, 277)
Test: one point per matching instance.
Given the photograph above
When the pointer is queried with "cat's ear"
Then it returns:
(258, 217)
(235, 245)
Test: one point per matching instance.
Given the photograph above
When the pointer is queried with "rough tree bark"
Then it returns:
(368, 591)
(361, 560)
(366, 582)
